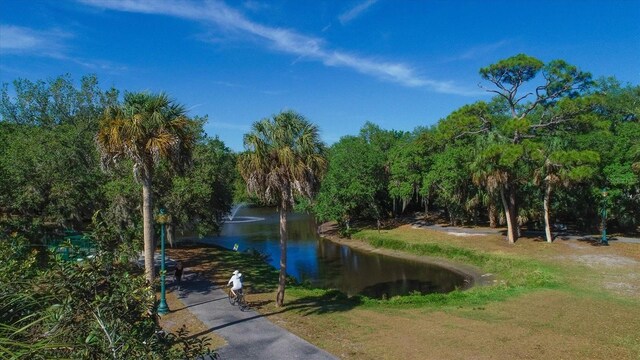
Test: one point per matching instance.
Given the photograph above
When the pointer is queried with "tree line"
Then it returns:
(551, 146)
(89, 159)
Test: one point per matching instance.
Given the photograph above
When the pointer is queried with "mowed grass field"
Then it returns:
(565, 300)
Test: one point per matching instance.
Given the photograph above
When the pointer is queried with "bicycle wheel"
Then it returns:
(232, 299)
(243, 303)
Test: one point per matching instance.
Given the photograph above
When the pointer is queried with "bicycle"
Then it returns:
(238, 300)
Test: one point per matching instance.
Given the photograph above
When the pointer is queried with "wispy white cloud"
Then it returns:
(355, 11)
(255, 5)
(51, 43)
(22, 40)
(228, 84)
(285, 40)
(480, 50)
(229, 126)
(273, 92)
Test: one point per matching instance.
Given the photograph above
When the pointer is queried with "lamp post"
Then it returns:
(604, 240)
(162, 219)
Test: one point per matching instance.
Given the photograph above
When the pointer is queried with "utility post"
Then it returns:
(162, 219)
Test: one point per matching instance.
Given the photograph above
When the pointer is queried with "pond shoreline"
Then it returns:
(473, 276)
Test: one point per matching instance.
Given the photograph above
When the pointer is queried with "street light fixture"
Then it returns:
(604, 240)
(162, 219)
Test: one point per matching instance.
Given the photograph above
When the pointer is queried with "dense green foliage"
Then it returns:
(95, 309)
(148, 130)
(531, 158)
(52, 177)
(52, 180)
(48, 159)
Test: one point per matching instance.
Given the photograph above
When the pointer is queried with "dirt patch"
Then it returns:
(597, 260)
(179, 316)
(463, 234)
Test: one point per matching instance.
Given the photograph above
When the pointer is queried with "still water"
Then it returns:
(329, 265)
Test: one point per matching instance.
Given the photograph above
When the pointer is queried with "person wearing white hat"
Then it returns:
(236, 280)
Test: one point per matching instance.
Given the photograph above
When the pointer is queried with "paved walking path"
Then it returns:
(249, 334)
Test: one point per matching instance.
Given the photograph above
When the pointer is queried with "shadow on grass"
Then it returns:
(211, 262)
(594, 240)
(330, 301)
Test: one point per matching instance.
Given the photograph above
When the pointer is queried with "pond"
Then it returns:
(326, 264)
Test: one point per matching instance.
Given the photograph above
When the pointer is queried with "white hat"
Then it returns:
(236, 272)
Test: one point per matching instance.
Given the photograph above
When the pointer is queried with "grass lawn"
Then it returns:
(565, 300)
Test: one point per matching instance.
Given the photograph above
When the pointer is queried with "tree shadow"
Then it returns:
(592, 240)
(331, 301)
(210, 263)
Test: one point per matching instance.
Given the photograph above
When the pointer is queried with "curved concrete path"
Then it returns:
(249, 334)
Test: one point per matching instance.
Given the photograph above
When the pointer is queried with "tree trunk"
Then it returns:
(493, 213)
(513, 202)
(147, 228)
(510, 215)
(170, 234)
(547, 212)
(283, 256)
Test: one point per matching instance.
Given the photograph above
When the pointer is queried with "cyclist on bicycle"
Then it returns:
(236, 280)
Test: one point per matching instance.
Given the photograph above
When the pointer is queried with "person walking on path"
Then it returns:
(178, 273)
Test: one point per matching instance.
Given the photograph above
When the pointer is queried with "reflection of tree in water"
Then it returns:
(399, 287)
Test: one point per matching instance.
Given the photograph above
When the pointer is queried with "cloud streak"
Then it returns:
(285, 40)
(51, 43)
(480, 50)
(22, 40)
(355, 11)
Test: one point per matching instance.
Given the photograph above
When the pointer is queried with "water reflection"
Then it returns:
(329, 265)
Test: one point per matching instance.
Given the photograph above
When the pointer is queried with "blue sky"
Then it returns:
(397, 63)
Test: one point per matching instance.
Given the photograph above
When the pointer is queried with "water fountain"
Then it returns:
(234, 210)
(240, 219)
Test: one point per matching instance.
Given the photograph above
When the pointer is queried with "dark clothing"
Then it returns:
(178, 273)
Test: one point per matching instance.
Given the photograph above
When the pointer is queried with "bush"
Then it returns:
(94, 309)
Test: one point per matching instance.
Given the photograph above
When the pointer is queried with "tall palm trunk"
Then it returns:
(509, 205)
(547, 212)
(493, 213)
(147, 221)
(283, 254)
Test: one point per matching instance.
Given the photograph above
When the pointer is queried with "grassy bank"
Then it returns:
(513, 275)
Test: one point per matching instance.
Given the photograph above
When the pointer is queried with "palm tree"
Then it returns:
(146, 129)
(284, 158)
(562, 169)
